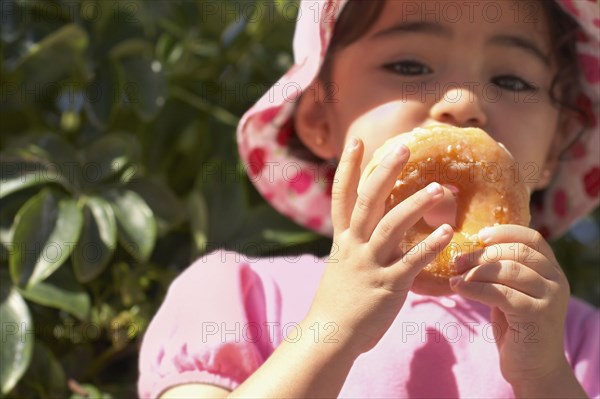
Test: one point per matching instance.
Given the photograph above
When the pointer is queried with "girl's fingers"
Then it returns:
(419, 256)
(509, 273)
(343, 191)
(509, 300)
(514, 251)
(370, 201)
(509, 233)
(390, 230)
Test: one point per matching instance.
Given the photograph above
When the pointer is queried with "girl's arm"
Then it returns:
(364, 284)
(307, 367)
(199, 391)
(363, 287)
(561, 384)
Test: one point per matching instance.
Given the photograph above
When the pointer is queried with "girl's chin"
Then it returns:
(427, 284)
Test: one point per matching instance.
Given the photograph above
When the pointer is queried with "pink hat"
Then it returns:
(301, 190)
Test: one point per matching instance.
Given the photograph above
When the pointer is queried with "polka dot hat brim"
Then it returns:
(302, 190)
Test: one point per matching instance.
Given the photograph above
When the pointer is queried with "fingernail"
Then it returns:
(400, 150)
(352, 144)
(434, 189)
(454, 280)
(444, 230)
(485, 235)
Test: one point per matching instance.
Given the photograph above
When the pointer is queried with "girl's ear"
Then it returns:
(546, 175)
(312, 124)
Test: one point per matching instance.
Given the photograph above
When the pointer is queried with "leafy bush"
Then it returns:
(119, 167)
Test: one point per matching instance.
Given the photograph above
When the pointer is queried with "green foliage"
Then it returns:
(119, 167)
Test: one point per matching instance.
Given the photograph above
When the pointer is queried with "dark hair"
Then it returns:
(566, 85)
(355, 20)
(358, 16)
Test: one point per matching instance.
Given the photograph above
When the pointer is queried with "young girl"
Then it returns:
(361, 323)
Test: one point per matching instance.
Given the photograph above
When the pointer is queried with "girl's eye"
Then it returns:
(513, 83)
(408, 68)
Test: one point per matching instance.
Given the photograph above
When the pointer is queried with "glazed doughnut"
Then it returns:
(481, 174)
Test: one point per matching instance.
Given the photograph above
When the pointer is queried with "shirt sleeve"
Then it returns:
(208, 329)
(583, 345)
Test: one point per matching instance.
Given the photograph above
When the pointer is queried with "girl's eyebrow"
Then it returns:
(522, 43)
(413, 27)
(441, 30)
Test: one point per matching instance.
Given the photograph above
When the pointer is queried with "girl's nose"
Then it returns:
(459, 107)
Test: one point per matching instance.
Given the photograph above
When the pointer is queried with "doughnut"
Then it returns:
(481, 174)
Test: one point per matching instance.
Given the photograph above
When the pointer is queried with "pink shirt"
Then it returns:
(226, 314)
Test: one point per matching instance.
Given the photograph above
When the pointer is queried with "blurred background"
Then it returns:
(119, 167)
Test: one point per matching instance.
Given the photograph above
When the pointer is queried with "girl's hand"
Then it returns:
(368, 274)
(517, 275)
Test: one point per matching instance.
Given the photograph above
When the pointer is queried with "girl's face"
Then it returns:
(483, 64)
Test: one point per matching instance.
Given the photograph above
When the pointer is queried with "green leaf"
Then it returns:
(177, 144)
(142, 77)
(265, 229)
(132, 47)
(87, 391)
(40, 159)
(8, 211)
(45, 233)
(290, 238)
(129, 284)
(164, 45)
(60, 291)
(198, 212)
(219, 182)
(98, 100)
(97, 242)
(110, 156)
(55, 149)
(58, 56)
(14, 184)
(45, 375)
(17, 334)
(135, 223)
(166, 207)
(219, 113)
